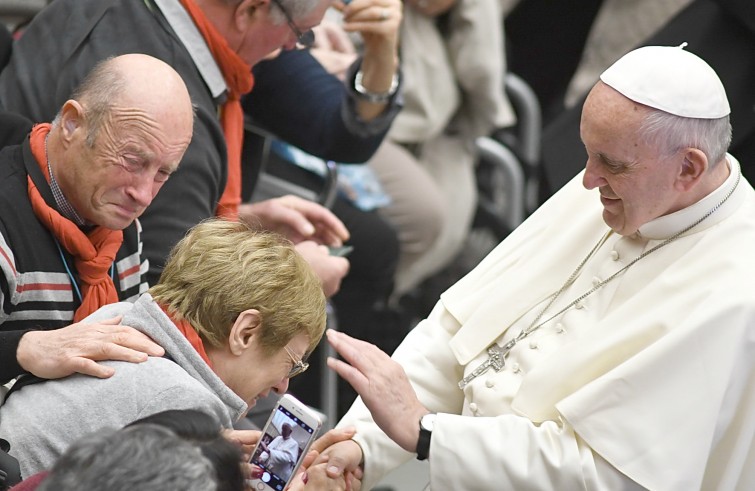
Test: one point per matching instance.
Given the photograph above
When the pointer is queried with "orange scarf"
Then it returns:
(189, 333)
(93, 253)
(239, 79)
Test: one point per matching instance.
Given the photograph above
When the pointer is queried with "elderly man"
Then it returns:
(580, 356)
(69, 198)
(212, 44)
(236, 312)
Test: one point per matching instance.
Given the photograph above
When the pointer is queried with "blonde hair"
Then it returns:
(222, 268)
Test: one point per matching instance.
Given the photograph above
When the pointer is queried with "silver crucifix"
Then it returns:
(496, 360)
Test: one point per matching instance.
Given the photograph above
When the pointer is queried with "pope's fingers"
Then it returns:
(352, 375)
(359, 353)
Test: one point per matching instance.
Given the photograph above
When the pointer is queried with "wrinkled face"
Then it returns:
(112, 182)
(262, 35)
(635, 182)
(256, 374)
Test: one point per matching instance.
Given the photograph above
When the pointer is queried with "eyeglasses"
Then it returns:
(307, 38)
(299, 366)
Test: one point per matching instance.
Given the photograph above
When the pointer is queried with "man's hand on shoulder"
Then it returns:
(77, 349)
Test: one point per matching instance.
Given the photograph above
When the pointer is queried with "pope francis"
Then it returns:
(609, 342)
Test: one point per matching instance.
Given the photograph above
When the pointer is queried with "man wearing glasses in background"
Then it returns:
(212, 44)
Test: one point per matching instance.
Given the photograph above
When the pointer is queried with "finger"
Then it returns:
(339, 41)
(370, 13)
(112, 351)
(309, 459)
(322, 38)
(244, 438)
(128, 338)
(353, 483)
(86, 366)
(297, 222)
(333, 436)
(379, 27)
(353, 376)
(328, 225)
(318, 215)
(326, 237)
(345, 458)
(357, 352)
(112, 321)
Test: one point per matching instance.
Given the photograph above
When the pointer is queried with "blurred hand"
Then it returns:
(77, 349)
(335, 63)
(296, 218)
(431, 8)
(378, 22)
(383, 386)
(331, 37)
(244, 439)
(330, 269)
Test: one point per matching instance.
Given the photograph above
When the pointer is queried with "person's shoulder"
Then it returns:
(108, 312)
(152, 377)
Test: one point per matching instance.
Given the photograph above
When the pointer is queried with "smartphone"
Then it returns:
(340, 251)
(286, 438)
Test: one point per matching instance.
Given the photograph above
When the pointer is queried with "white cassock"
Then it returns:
(283, 455)
(647, 382)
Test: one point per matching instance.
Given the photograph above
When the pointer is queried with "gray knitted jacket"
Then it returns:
(42, 420)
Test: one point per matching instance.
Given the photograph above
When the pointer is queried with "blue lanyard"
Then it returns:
(70, 275)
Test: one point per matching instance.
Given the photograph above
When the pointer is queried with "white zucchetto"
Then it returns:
(670, 79)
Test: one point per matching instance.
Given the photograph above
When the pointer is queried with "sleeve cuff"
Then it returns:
(382, 122)
(9, 367)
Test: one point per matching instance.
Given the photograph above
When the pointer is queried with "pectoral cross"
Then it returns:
(496, 360)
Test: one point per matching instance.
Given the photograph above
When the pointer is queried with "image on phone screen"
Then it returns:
(285, 440)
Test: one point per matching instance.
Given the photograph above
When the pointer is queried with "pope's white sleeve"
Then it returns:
(510, 452)
(426, 353)
(477, 453)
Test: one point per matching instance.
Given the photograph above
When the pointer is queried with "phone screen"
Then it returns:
(285, 440)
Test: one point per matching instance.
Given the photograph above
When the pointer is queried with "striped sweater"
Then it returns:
(36, 289)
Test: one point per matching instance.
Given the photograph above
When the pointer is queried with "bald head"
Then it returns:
(135, 81)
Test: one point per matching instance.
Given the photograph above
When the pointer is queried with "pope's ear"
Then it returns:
(693, 167)
(246, 327)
